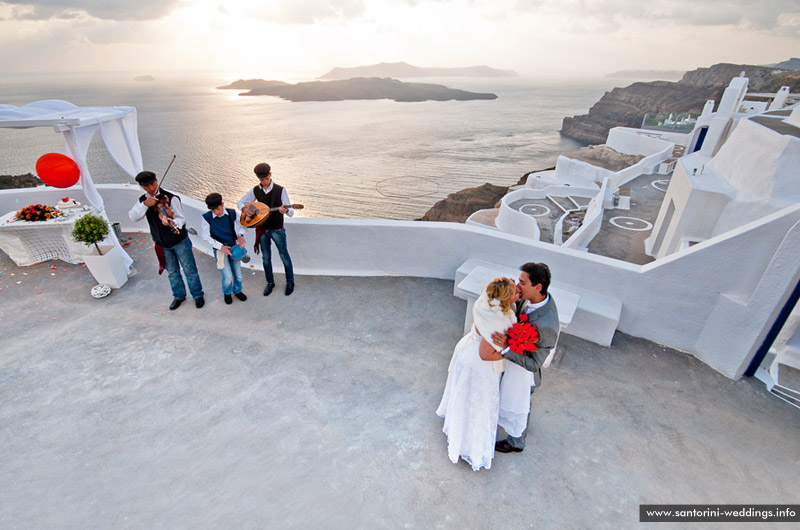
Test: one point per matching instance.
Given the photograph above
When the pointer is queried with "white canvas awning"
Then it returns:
(117, 126)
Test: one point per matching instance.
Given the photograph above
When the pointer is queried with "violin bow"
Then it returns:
(167, 171)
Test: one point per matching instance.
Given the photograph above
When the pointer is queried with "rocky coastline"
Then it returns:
(458, 206)
(401, 70)
(28, 180)
(354, 89)
(626, 107)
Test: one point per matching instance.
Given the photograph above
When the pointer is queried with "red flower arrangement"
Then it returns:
(37, 212)
(523, 336)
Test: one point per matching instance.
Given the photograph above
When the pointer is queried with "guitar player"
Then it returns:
(272, 195)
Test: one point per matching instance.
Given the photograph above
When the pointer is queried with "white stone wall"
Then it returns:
(794, 117)
(580, 173)
(592, 221)
(628, 141)
(714, 299)
(760, 163)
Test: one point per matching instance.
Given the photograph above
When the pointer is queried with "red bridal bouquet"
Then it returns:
(523, 336)
(37, 212)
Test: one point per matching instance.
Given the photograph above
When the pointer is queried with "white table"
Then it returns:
(31, 242)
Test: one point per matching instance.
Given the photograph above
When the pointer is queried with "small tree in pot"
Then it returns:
(90, 229)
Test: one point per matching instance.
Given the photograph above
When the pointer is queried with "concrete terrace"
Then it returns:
(624, 232)
(317, 411)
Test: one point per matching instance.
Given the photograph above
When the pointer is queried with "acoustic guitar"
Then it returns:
(256, 213)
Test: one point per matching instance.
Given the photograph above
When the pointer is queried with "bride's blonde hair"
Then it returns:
(502, 289)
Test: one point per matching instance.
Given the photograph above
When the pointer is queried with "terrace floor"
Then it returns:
(623, 232)
(317, 411)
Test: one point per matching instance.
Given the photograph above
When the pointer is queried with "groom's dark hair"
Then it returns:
(538, 273)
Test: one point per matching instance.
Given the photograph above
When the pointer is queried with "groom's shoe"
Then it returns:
(504, 447)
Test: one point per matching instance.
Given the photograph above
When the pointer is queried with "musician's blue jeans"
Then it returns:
(279, 237)
(181, 256)
(231, 275)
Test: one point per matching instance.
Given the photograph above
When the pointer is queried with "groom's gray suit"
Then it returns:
(545, 319)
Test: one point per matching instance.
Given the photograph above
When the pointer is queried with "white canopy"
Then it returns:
(117, 126)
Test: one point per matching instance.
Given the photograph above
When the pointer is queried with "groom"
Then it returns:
(542, 312)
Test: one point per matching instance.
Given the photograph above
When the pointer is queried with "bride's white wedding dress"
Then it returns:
(470, 403)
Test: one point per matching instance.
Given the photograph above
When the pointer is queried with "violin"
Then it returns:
(162, 206)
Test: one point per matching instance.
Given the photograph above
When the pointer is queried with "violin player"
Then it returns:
(164, 214)
(273, 196)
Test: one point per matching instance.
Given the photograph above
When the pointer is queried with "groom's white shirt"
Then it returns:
(530, 308)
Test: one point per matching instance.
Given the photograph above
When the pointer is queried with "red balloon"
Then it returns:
(57, 170)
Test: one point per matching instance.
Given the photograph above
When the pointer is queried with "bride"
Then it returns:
(470, 404)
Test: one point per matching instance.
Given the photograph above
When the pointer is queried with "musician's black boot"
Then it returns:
(289, 288)
(268, 289)
(176, 303)
(241, 296)
(228, 299)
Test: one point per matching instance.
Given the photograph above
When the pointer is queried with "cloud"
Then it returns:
(103, 9)
(309, 11)
(767, 15)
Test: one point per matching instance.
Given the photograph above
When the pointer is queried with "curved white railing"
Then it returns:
(512, 221)
(592, 220)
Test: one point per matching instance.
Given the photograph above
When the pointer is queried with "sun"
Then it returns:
(229, 43)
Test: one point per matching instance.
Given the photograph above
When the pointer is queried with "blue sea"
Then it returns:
(348, 159)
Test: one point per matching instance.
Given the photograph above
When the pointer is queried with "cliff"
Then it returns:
(604, 157)
(457, 207)
(27, 180)
(406, 70)
(626, 107)
(250, 84)
(649, 75)
(791, 64)
(357, 88)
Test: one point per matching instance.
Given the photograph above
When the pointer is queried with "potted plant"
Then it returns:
(107, 265)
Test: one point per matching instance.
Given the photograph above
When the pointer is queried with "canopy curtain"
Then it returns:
(78, 140)
(122, 141)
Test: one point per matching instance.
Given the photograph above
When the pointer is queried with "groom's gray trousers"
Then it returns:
(545, 319)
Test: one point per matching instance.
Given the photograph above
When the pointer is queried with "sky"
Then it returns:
(303, 39)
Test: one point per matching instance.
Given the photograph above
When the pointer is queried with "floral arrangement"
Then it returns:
(523, 336)
(38, 212)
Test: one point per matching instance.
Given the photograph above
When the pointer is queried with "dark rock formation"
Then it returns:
(250, 84)
(27, 180)
(399, 70)
(761, 78)
(663, 75)
(357, 88)
(791, 64)
(457, 207)
(626, 107)
(604, 157)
